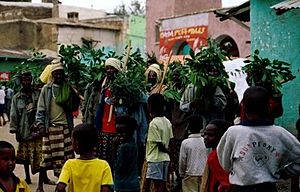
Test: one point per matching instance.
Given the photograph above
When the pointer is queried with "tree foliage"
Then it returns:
(135, 8)
(35, 64)
(266, 73)
(129, 84)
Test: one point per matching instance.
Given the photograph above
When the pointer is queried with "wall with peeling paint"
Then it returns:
(278, 37)
(136, 32)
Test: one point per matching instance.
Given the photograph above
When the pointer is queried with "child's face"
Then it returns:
(75, 145)
(210, 136)
(7, 160)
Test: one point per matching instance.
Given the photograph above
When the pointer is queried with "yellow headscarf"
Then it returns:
(46, 76)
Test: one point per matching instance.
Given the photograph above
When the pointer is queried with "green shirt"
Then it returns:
(22, 113)
(57, 113)
(160, 131)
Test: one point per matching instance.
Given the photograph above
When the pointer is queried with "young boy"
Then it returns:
(192, 156)
(8, 181)
(159, 135)
(126, 164)
(218, 178)
(254, 151)
(86, 173)
(295, 179)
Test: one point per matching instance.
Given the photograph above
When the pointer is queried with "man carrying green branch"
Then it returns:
(100, 111)
(208, 100)
(55, 120)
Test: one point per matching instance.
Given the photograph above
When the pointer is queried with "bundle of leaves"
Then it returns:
(207, 72)
(35, 65)
(206, 66)
(94, 59)
(76, 71)
(173, 92)
(266, 73)
(129, 85)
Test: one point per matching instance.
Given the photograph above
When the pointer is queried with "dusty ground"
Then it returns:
(19, 171)
(283, 186)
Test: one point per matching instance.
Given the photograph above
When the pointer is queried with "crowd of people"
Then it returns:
(161, 145)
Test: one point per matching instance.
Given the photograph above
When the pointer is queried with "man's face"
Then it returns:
(58, 76)
(152, 78)
(26, 81)
(175, 76)
(110, 72)
(7, 160)
(210, 136)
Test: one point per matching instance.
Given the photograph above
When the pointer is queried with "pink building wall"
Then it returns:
(240, 35)
(156, 10)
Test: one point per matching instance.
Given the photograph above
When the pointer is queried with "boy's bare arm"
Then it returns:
(162, 148)
(60, 187)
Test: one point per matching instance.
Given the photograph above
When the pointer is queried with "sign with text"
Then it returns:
(4, 76)
(195, 37)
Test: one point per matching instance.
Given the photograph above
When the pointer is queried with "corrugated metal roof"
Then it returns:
(241, 12)
(286, 5)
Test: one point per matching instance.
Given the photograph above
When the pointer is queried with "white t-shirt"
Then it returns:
(193, 156)
(2, 96)
(253, 154)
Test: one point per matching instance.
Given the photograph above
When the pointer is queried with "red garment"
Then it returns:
(108, 127)
(218, 180)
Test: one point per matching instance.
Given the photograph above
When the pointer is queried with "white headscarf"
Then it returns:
(115, 63)
(154, 67)
(56, 65)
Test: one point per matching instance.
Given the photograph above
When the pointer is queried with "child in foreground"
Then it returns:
(217, 178)
(8, 181)
(126, 164)
(86, 173)
(159, 135)
(256, 152)
(192, 156)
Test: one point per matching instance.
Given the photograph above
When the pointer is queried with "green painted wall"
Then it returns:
(7, 65)
(137, 32)
(278, 37)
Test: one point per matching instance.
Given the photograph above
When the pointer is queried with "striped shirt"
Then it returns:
(193, 156)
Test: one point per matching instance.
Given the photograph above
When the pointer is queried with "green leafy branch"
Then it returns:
(206, 66)
(266, 73)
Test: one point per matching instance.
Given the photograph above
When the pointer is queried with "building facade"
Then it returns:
(44, 27)
(180, 26)
(278, 37)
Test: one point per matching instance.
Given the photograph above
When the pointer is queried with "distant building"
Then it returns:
(183, 25)
(275, 33)
(45, 26)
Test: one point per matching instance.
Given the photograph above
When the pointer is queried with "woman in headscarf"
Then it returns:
(99, 110)
(154, 77)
